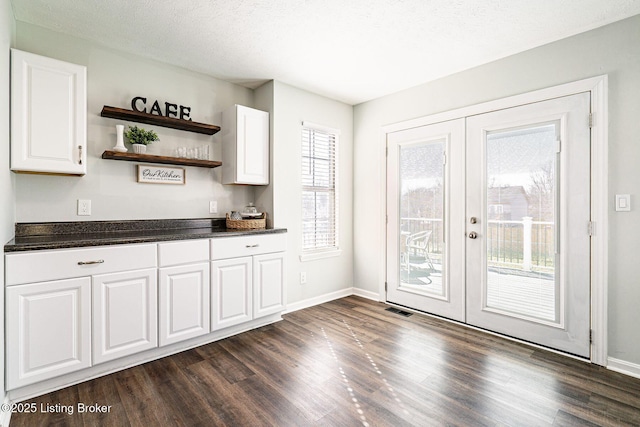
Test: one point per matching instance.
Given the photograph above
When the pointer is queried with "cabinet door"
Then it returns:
(125, 314)
(48, 115)
(48, 330)
(184, 302)
(268, 284)
(245, 146)
(231, 292)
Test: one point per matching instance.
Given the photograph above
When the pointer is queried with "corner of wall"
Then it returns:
(7, 180)
(263, 99)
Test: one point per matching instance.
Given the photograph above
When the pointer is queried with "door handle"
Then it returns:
(473, 235)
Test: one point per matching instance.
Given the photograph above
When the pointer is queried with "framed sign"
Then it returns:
(160, 175)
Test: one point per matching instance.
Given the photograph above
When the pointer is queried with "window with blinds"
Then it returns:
(319, 190)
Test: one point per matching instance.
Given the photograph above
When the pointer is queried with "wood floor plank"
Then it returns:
(222, 361)
(300, 385)
(350, 362)
(141, 401)
(232, 406)
(102, 391)
(179, 396)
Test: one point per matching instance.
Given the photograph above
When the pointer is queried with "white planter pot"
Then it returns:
(139, 148)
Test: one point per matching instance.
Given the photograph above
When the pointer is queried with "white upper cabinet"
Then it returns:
(48, 115)
(245, 146)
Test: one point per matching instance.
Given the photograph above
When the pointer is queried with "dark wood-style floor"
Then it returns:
(351, 363)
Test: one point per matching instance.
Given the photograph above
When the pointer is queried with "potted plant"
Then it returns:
(140, 138)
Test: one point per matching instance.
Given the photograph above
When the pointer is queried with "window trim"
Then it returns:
(311, 254)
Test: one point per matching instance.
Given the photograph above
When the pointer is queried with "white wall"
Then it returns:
(290, 107)
(612, 50)
(114, 78)
(7, 192)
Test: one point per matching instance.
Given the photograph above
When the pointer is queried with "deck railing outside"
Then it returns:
(524, 245)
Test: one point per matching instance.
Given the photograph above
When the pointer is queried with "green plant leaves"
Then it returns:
(136, 135)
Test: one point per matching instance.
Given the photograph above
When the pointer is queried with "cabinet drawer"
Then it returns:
(176, 253)
(233, 247)
(40, 266)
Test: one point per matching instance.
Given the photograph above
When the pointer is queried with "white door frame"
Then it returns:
(598, 86)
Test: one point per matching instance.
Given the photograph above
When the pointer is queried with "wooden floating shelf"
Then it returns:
(165, 160)
(152, 119)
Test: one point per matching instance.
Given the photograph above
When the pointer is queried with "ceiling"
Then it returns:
(349, 50)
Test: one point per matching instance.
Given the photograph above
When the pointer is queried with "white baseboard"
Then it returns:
(366, 294)
(310, 302)
(5, 416)
(623, 367)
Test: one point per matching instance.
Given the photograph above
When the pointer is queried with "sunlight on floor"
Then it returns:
(354, 399)
(375, 367)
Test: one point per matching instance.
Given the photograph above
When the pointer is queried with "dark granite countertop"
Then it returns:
(59, 235)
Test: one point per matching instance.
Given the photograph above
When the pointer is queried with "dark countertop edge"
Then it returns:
(50, 229)
(12, 246)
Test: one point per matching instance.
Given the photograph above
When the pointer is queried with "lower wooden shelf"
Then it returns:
(165, 160)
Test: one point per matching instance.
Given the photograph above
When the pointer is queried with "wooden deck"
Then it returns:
(524, 295)
(528, 296)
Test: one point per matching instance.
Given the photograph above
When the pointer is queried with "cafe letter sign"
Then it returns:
(170, 110)
(160, 175)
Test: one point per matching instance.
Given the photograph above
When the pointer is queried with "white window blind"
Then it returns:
(319, 190)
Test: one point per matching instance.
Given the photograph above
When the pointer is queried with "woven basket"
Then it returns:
(247, 224)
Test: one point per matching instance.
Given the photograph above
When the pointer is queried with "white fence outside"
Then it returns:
(525, 245)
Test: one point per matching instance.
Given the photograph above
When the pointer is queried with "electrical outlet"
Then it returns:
(213, 206)
(303, 277)
(84, 207)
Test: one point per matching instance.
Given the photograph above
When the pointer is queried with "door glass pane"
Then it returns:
(521, 229)
(421, 217)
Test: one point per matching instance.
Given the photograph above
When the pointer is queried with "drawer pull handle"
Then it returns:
(100, 261)
(253, 246)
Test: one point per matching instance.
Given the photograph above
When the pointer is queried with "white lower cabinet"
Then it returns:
(125, 314)
(268, 284)
(93, 305)
(183, 302)
(231, 292)
(247, 278)
(48, 330)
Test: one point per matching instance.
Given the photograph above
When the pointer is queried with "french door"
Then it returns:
(425, 190)
(506, 219)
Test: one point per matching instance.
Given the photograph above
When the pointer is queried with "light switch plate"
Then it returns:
(623, 202)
